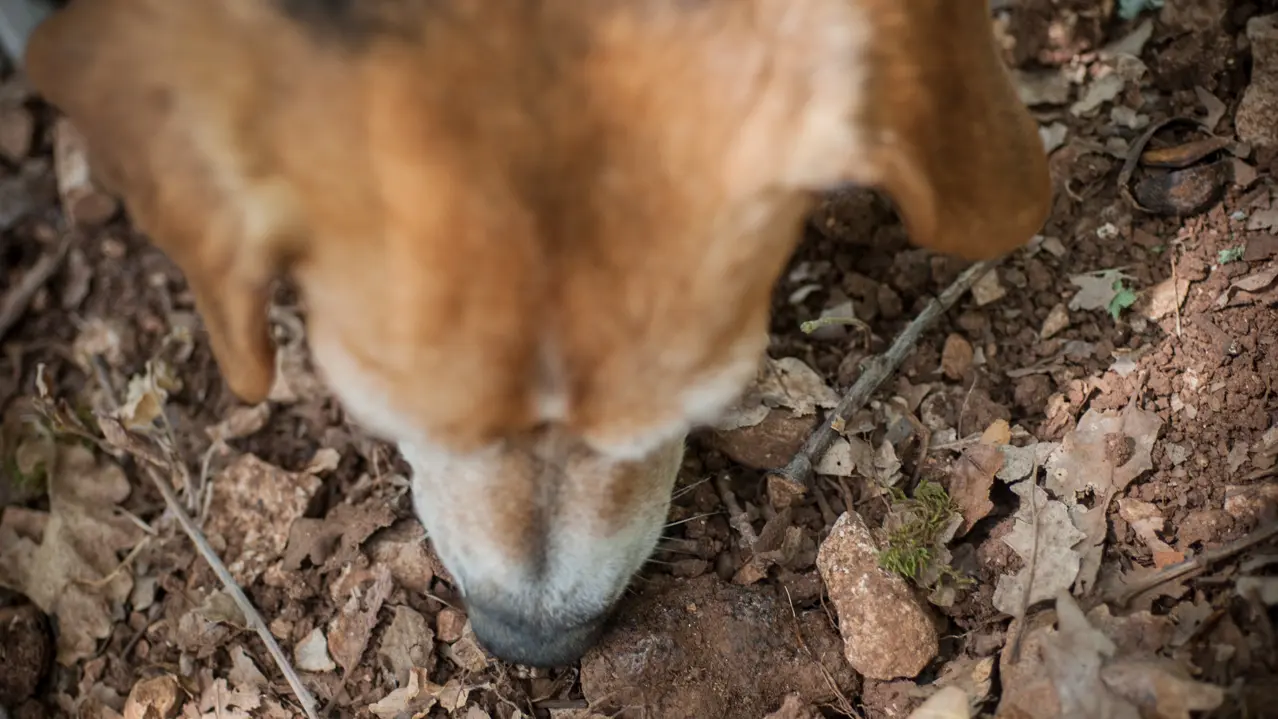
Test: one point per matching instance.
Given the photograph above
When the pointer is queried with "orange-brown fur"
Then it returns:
(494, 208)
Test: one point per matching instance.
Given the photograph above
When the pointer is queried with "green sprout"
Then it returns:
(1124, 298)
(1232, 254)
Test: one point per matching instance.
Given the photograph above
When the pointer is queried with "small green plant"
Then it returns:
(1123, 299)
(1232, 254)
(920, 521)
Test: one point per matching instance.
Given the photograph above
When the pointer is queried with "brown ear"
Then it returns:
(158, 117)
(949, 139)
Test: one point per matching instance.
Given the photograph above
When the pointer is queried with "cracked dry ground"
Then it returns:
(1099, 409)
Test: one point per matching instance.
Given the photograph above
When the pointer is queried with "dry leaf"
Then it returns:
(970, 482)
(845, 457)
(1161, 688)
(988, 289)
(453, 695)
(1263, 588)
(1044, 537)
(1096, 290)
(156, 698)
(407, 643)
(413, 700)
(147, 395)
(1164, 298)
(219, 701)
(349, 632)
(948, 703)
(311, 654)
(786, 382)
(64, 572)
(253, 509)
(1101, 456)
(244, 673)
(1146, 520)
(240, 422)
(1074, 657)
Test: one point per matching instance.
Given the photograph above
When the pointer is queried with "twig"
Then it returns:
(1175, 285)
(15, 303)
(1173, 572)
(845, 706)
(233, 588)
(876, 372)
(151, 462)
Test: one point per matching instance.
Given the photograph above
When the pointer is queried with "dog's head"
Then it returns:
(537, 240)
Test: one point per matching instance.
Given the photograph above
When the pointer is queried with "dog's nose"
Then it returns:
(533, 640)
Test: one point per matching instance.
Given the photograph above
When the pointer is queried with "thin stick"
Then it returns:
(229, 584)
(15, 304)
(1198, 563)
(737, 518)
(877, 370)
(1175, 250)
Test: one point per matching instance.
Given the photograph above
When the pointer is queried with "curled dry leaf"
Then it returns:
(147, 394)
(156, 698)
(970, 481)
(1183, 155)
(413, 699)
(1184, 192)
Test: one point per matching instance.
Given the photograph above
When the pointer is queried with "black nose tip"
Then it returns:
(533, 641)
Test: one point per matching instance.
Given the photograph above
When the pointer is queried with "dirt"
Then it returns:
(689, 641)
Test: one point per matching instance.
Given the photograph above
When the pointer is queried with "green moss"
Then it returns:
(914, 541)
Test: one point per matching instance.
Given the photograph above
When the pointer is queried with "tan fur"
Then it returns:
(519, 218)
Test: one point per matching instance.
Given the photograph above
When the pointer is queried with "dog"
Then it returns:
(537, 240)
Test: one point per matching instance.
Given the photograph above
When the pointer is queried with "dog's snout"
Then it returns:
(533, 640)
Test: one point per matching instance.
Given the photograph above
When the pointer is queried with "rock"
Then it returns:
(956, 357)
(888, 632)
(1057, 320)
(450, 625)
(703, 648)
(1257, 117)
(403, 549)
(768, 444)
(26, 649)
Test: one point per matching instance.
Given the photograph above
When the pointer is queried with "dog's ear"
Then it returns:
(948, 138)
(155, 88)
